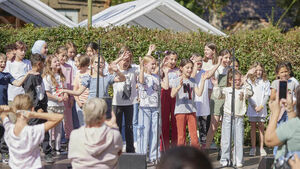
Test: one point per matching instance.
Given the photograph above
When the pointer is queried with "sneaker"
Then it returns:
(239, 165)
(49, 158)
(252, 152)
(150, 163)
(224, 163)
(5, 158)
(213, 146)
(263, 152)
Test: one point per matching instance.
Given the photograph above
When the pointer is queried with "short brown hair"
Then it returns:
(21, 45)
(84, 60)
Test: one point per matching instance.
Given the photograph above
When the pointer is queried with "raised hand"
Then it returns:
(214, 81)
(152, 48)
(220, 58)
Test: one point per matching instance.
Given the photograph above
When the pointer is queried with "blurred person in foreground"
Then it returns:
(98, 144)
(184, 157)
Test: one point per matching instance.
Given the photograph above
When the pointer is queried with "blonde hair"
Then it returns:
(48, 71)
(22, 102)
(3, 56)
(230, 76)
(147, 59)
(264, 74)
(94, 111)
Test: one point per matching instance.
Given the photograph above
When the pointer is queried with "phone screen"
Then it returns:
(282, 89)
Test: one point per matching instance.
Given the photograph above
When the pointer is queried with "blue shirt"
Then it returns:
(104, 83)
(5, 79)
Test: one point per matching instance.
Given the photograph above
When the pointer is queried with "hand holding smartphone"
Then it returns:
(282, 90)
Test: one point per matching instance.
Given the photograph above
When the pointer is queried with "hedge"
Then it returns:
(268, 45)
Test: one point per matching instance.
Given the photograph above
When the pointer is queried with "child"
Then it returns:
(83, 70)
(35, 88)
(168, 104)
(283, 74)
(18, 69)
(6, 79)
(257, 109)
(148, 116)
(124, 94)
(23, 140)
(10, 52)
(241, 94)
(202, 102)
(216, 105)
(92, 49)
(53, 80)
(40, 47)
(61, 53)
(72, 52)
(90, 81)
(182, 89)
(210, 56)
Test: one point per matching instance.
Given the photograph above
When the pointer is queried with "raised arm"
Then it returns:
(77, 92)
(214, 69)
(175, 90)
(152, 48)
(52, 118)
(4, 109)
(199, 90)
(165, 80)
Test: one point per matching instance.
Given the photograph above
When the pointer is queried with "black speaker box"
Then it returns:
(266, 163)
(132, 161)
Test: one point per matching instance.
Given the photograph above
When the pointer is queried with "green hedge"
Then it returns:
(268, 45)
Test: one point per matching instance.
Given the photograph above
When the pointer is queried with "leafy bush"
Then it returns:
(268, 45)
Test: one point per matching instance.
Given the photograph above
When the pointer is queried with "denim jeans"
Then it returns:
(147, 132)
(135, 120)
(238, 139)
(80, 115)
(283, 119)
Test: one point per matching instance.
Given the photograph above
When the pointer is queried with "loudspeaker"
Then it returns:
(132, 161)
(266, 162)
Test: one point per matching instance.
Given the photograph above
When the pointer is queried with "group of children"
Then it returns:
(197, 94)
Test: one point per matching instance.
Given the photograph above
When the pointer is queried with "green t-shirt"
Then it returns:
(290, 132)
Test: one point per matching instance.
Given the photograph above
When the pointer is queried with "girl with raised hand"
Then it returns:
(183, 89)
(257, 108)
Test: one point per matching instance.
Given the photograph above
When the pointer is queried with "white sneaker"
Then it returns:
(223, 163)
(252, 152)
(239, 165)
(263, 152)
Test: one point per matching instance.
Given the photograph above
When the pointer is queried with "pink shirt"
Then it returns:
(77, 83)
(68, 73)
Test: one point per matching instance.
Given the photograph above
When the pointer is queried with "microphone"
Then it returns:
(157, 53)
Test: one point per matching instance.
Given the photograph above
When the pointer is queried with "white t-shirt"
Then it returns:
(207, 65)
(173, 74)
(240, 104)
(24, 150)
(72, 63)
(148, 91)
(261, 93)
(202, 102)
(18, 70)
(54, 90)
(125, 92)
(7, 66)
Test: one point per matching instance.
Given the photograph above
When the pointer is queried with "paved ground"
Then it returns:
(250, 162)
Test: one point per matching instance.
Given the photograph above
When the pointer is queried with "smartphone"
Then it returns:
(282, 89)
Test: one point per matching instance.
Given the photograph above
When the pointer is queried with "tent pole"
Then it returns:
(89, 13)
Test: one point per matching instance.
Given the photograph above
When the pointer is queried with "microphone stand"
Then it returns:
(158, 53)
(232, 116)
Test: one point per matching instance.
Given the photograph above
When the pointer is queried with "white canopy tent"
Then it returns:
(36, 12)
(160, 14)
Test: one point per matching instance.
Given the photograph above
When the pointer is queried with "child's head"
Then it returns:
(94, 111)
(40, 47)
(10, 51)
(20, 50)
(52, 67)
(125, 63)
(2, 62)
(149, 63)
(171, 58)
(283, 71)
(61, 53)
(210, 52)
(71, 50)
(92, 49)
(184, 157)
(186, 67)
(22, 102)
(199, 60)
(236, 64)
(259, 71)
(83, 61)
(226, 57)
(237, 78)
(94, 64)
(37, 61)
